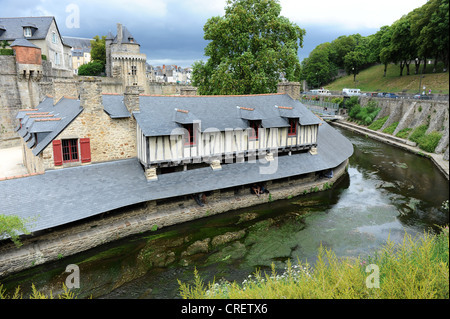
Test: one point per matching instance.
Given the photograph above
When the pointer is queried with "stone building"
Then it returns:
(124, 60)
(43, 32)
(80, 52)
(165, 134)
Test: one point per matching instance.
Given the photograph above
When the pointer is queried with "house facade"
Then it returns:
(43, 32)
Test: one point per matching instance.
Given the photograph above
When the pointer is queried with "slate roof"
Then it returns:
(82, 44)
(156, 115)
(14, 27)
(63, 196)
(126, 36)
(23, 43)
(114, 107)
(48, 120)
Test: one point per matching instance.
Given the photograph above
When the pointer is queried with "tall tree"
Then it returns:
(317, 69)
(250, 48)
(340, 47)
(386, 50)
(98, 49)
(353, 62)
(403, 46)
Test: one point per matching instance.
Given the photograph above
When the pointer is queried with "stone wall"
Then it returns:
(24, 86)
(110, 139)
(128, 221)
(10, 101)
(410, 113)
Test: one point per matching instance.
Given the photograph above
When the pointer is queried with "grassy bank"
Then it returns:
(372, 80)
(417, 268)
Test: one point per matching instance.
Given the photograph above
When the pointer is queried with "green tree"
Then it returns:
(340, 47)
(93, 68)
(11, 226)
(317, 69)
(250, 48)
(353, 61)
(386, 49)
(98, 49)
(403, 47)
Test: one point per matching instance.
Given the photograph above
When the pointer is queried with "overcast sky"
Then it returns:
(171, 31)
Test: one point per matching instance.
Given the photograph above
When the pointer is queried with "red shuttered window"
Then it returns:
(85, 150)
(57, 152)
(70, 150)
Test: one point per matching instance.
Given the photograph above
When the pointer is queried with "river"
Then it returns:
(386, 193)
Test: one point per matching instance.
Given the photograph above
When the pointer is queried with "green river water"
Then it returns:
(386, 193)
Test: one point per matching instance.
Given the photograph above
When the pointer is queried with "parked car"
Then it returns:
(381, 94)
(422, 97)
(392, 96)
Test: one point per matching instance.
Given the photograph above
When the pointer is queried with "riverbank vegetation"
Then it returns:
(366, 116)
(416, 268)
(11, 227)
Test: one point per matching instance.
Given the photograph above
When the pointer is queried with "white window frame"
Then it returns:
(27, 32)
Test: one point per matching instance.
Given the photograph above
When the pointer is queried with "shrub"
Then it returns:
(391, 128)
(93, 68)
(404, 133)
(418, 133)
(349, 103)
(378, 123)
(11, 226)
(6, 52)
(429, 142)
(354, 111)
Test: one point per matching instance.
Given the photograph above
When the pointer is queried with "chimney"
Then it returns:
(291, 88)
(119, 33)
(131, 98)
(91, 95)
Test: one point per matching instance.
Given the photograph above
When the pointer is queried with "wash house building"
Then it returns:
(119, 150)
(177, 133)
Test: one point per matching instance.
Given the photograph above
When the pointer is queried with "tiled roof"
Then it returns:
(62, 196)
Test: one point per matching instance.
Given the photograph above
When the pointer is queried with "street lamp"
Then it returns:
(354, 77)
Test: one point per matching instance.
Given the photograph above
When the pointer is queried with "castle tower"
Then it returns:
(124, 60)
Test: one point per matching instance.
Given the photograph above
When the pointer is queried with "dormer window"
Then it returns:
(27, 32)
(253, 134)
(292, 130)
(190, 136)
